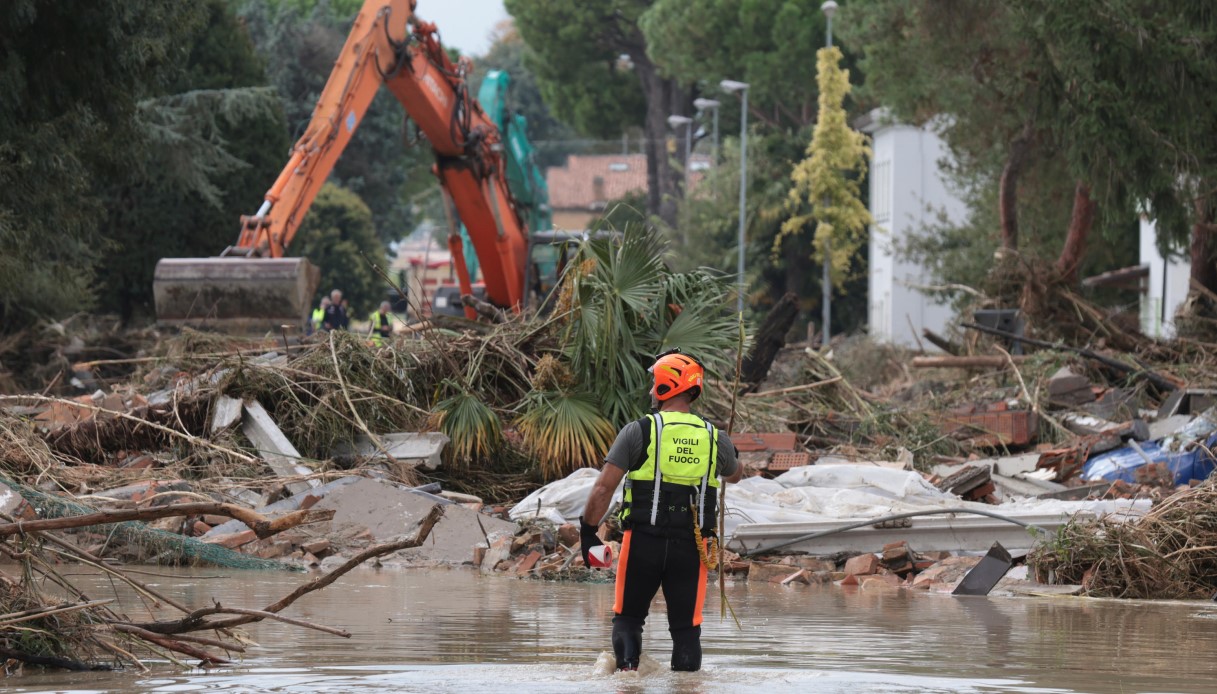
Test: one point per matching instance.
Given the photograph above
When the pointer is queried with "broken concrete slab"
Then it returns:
(421, 449)
(225, 413)
(389, 511)
(1165, 427)
(274, 447)
(292, 503)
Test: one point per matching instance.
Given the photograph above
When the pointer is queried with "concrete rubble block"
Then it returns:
(389, 511)
(225, 413)
(768, 573)
(499, 551)
(273, 446)
(862, 565)
(1068, 389)
(318, 548)
(880, 583)
(947, 571)
(816, 564)
(422, 449)
(897, 557)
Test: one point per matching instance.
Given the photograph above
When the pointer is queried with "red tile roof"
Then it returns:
(574, 186)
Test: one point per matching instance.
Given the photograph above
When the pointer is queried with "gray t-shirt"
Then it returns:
(631, 446)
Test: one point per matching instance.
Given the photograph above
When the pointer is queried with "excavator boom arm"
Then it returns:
(389, 45)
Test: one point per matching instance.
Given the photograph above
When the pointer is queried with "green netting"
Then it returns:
(163, 547)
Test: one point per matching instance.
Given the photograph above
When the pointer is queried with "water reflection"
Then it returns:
(458, 631)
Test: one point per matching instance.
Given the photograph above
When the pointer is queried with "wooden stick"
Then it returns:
(795, 389)
(184, 648)
(966, 362)
(149, 636)
(262, 526)
(39, 613)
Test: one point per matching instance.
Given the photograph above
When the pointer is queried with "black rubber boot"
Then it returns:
(627, 642)
(686, 649)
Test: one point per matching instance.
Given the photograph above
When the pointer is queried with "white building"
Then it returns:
(1168, 284)
(907, 192)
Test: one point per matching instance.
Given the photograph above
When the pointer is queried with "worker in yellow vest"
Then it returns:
(318, 316)
(381, 324)
(672, 461)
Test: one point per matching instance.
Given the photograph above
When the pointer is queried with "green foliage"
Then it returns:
(72, 76)
(299, 42)
(338, 236)
(770, 44)
(574, 50)
(626, 307)
(564, 431)
(474, 429)
(214, 136)
(1129, 90)
(829, 178)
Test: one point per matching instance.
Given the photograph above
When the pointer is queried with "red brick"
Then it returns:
(529, 561)
(862, 565)
(568, 534)
(233, 540)
(200, 528)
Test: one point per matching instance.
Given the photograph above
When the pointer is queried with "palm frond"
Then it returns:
(474, 429)
(565, 431)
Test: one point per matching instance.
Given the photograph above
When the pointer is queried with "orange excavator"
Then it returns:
(252, 286)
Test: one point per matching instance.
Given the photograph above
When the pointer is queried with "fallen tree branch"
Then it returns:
(149, 636)
(967, 362)
(39, 613)
(1158, 380)
(195, 621)
(262, 526)
(48, 661)
(193, 440)
(795, 389)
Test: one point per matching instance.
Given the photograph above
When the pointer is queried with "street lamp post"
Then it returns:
(676, 122)
(710, 105)
(741, 87)
(829, 9)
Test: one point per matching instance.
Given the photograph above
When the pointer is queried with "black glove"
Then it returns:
(587, 540)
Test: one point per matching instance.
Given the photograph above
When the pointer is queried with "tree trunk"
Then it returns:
(1080, 223)
(770, 339)
(1016, 162)
(1204, 247)
(663, 98)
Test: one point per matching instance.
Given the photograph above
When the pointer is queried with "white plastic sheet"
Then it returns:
(810, 493)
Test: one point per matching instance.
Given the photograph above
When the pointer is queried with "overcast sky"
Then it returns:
(465, 24)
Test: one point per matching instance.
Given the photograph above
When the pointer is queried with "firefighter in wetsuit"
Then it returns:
(672, 461)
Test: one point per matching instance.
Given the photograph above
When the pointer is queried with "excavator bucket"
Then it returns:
(234, 294)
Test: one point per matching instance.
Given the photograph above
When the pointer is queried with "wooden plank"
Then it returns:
(226, 413)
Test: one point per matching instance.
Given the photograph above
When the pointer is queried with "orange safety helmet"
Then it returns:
(676, 373)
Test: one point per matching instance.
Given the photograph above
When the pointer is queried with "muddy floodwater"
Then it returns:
(456, 631)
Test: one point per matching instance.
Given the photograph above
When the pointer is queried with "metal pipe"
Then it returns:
(743, 193)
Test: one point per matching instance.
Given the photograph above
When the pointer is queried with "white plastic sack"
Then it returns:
(561, 501)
